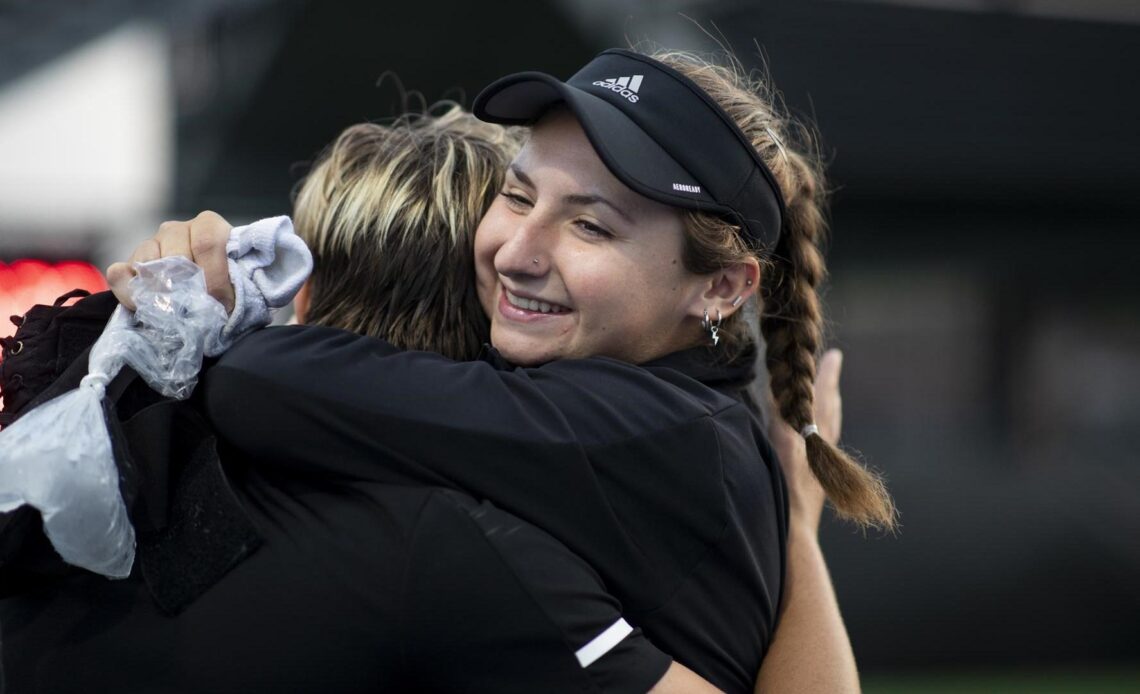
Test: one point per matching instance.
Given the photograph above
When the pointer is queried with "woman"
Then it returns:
(582, 258)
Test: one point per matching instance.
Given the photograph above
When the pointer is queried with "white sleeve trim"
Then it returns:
(603, 643)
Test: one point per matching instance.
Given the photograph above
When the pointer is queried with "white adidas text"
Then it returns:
(626, 86)
(686, 188)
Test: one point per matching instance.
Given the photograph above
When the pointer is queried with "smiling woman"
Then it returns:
(616, 267)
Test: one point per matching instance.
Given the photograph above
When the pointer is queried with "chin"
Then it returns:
(525, 357)
(524, 351)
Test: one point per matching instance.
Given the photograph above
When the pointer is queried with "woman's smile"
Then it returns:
(530, 305)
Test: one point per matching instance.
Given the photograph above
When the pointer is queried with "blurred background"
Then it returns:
(986, 162)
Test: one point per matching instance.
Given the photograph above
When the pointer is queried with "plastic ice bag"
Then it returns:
(58, 457)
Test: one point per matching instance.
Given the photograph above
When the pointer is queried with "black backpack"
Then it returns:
(47, 340)
(190, 527)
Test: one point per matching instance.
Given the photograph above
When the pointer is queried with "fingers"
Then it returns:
(828, 405)
(173, 238)
(208, 235)
(202, 240)
(118, 275)
(827, 373)
(145, 252)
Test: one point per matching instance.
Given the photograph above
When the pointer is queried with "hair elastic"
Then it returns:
(809, 430)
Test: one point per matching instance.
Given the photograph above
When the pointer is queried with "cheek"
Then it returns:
(632, 297)
(606, 289)
(485, 246)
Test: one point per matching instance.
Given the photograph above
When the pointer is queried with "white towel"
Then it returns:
(268, 264)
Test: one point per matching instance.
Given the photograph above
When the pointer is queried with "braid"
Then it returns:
(792, 319)
(792, 325)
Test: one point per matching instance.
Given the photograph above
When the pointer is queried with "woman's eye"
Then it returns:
(515, 200)
(593, 229)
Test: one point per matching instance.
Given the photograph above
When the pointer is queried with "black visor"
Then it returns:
(657, 132)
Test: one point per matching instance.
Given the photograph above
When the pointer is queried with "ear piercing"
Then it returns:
(740, 299)
(713, 329)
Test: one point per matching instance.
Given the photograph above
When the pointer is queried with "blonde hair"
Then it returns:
(390, 212)
(790, 315)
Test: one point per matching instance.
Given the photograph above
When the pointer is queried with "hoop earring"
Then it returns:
(713, 330)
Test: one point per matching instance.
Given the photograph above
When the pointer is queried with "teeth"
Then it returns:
(533, 304)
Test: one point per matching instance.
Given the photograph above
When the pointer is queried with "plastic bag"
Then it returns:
(58, 457)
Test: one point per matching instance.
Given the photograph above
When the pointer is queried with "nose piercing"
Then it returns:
(535, 261)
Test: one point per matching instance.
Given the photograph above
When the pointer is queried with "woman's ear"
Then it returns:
(301, 302)
(728, 289)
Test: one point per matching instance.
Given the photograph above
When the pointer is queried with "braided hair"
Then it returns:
(790, 314)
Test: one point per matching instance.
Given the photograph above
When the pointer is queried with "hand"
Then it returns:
(202, 240)
(805, 495)
(828, 406)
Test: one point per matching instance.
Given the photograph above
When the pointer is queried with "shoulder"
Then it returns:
(302, 354)
(619, 399)
(294, 341)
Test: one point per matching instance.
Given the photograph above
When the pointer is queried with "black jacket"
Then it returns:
(659, 476)
(354, 585)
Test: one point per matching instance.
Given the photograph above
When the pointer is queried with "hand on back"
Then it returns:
(806, 496)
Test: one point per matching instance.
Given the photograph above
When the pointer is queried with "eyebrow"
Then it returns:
(578, 199)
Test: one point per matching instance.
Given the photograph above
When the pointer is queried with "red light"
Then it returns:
(25, 283)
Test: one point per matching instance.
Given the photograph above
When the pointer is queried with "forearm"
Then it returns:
(681, 680)
(811, 651)
(328, 403)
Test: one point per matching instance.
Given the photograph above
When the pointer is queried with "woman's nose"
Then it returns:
(526, 252)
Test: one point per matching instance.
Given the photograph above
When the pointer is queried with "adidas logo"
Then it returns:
(626, 86)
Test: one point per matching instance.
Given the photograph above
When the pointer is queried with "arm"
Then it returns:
(335, 404)
(325, 402)
(474, 401)
(811, 651)
(681, 680)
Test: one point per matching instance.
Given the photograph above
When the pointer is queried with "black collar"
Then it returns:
(704, 365)
(699, 363)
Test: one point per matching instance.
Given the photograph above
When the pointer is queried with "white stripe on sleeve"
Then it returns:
(603, 643)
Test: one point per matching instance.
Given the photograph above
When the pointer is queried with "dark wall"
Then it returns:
(934, 105)
(325, 76)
